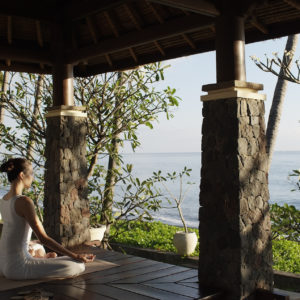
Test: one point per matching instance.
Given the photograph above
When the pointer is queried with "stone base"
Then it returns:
(66, 208)
(235, 233)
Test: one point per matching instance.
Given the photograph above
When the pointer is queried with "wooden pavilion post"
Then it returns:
(66, 209)
(235, 236)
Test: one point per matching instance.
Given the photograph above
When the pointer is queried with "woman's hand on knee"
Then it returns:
(51, 255)
(85, 258)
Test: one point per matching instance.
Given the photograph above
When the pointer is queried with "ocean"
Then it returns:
(280, 186)
(144, 164)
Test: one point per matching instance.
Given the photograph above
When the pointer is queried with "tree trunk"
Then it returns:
(278, 99)
(3, 90)
(36, 109)
(110, 181)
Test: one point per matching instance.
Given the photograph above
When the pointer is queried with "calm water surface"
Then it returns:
(145, 164)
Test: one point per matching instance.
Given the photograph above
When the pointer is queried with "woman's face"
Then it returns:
(27, 176)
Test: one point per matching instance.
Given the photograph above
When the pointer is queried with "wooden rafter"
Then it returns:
(259, 25)
(81, 9)
(133, 55)
(198, 6)
(159, 47)
(39, 33)
(161, 21)
(92, 29)
(293, 3)
(25, 67)
(9, 36)
(39, 36)
(108, 59)
(111, 24)
(95, 37)
(37, 10)
(137, 23)
(143, 59)
(189, 41)
(25, 54)
(133, 17)
(155, 12)
(147, 35)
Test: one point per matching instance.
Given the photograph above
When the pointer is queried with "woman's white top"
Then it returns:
(15, 260)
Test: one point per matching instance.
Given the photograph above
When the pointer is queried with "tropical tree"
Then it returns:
(283, 73)
(117, 104)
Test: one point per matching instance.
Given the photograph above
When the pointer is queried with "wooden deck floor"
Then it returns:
(133, 278)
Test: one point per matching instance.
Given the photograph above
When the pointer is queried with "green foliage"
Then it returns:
(159, 236)
(116, 103)
(285, 222)
(286, 256)
(136, 199)
(157, 177)
(153, 235)
(295, 178)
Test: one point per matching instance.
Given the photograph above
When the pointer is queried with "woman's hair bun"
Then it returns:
(7, 166)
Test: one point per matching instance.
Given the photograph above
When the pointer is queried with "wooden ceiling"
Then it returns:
(98, 36)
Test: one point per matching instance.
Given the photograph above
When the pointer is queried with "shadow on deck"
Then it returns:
(131, 278)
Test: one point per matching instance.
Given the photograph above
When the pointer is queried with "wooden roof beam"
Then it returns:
(189, 41)
(28, 68)
(111, 24)
(293, 3)
(39, 36)
(27, 54)
(147, 35)
(260, 26)
(81, 9)
(9, 36)
(92, 30)
(128, 63)
(37, 10)
(202, 7)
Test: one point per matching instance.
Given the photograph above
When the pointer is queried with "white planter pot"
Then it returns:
(97, 233)
(185, 243)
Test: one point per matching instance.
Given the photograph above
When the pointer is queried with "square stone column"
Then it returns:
(235, 231)
(66, 207)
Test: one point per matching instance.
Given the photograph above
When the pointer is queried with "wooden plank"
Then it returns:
(152, 275)
(194, 285)
(192, 279)
(197, 6)
(175, 277)
(104, 273)
(128, 260)
(151, 292)
(74, 292)
(14, 292)
(117, 293)
(178, 289)
(142, 269)
(149, 34)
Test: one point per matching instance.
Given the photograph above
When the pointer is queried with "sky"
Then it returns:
(188, 74)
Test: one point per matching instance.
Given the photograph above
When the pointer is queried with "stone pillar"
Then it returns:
(235, 234)
(66, 209)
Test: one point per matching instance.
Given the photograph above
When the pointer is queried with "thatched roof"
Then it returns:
(105, 35)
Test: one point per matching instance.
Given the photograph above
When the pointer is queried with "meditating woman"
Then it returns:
(19, 219)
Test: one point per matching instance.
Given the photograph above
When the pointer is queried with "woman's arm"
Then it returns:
(25, 208)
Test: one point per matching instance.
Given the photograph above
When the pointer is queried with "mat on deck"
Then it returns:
(97, 265)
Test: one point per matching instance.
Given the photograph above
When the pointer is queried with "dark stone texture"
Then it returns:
(66, 208)
(235, 234)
